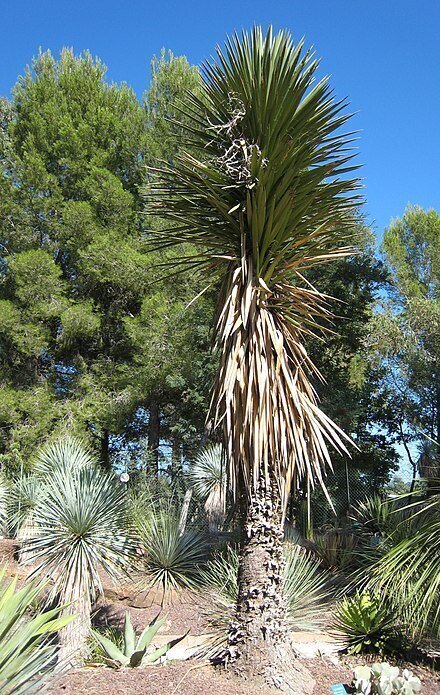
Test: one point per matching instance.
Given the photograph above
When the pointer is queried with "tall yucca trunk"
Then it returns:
(258, 639)
(73, 639)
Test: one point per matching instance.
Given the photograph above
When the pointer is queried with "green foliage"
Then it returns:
(404, 337)
(28, 653)
(172, 78)
(383, 679)
(366, 624)
(408, 571)
(207, 474)
(376, 515)
(74, 272)
(79, 523)
(76, 146)
(134, 652)
(336, 549)
(172, 560)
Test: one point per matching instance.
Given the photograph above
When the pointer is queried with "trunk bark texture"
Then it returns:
(26, 532)
(184, 511)
(154, 434)
(258, 640)
(105, 450)
(73, 639)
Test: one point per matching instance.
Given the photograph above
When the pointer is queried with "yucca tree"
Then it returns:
(260, 187)
(79, 529)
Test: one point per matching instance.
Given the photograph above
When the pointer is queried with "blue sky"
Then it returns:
(384, 55)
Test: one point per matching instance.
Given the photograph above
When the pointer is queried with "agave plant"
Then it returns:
(28, 653)
(79, 529)
(207, 476)
(134, 651)
(367, 624)
(259, 187)
(172, 560)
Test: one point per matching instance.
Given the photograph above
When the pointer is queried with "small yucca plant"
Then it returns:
(24, 496)
(134, 651)
(173, 560)
(207, 476)
(79, 527)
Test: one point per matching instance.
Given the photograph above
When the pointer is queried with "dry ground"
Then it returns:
(180, 677)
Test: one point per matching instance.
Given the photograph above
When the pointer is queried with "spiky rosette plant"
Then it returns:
(260, 187)
(207, 476)
(172, 559)
(79, 528)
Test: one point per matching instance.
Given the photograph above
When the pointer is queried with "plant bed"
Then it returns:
(199, 679)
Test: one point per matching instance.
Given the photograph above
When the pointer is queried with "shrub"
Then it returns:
(366, 623)
(134, 652)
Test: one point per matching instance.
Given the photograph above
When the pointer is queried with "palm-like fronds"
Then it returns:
(27, 655)
(264, 197)
(408, 572)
